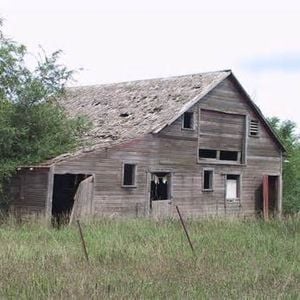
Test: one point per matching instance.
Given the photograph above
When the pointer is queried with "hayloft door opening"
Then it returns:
(64, 190)
(160, 194)
(270, 196)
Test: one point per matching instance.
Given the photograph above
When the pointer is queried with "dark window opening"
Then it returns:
(64, 190)
(229, 155)
(188, 120)
(129, 171)
(207, 153)
(232, 187)
(160, 186)
(208, 180)
(253, 128)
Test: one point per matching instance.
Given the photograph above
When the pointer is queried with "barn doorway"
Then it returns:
(160, 194)
(270, 196)
(64, 190)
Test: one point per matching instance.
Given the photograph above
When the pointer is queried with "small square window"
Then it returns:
(188, 120)
(254, 128)
(129, 175)
(208, 180)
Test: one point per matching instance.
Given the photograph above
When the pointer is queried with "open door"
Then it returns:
(64, 190)
(270, 196)
(83, 199)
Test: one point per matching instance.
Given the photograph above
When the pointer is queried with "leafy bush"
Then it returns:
(291, 166)
(33, 127)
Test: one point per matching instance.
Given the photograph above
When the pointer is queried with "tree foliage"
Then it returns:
(291, 166)
(33, 127)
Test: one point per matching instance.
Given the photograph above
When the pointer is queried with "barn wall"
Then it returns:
(221, 131)
(28, 191)
(175, 150)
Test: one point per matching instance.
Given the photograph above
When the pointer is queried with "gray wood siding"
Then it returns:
(225, 97)
(28, 191)
(263, 155)
(221, 131)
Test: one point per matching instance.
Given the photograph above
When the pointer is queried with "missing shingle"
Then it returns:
(124, 115)
(156, 109)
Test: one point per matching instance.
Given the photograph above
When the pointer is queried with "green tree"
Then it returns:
(33, 127)
(291, 166)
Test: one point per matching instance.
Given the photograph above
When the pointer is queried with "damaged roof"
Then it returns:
(122, 111)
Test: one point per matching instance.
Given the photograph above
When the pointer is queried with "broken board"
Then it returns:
(83, 199)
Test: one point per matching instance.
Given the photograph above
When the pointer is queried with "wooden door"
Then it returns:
(161, 209)
(266, 197)
(82, 207)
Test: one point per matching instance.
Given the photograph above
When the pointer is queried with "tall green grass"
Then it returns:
(141, 258)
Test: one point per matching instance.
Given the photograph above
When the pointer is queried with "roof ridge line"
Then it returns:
(147, 79)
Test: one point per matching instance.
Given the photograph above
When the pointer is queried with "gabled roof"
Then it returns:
(124, 111)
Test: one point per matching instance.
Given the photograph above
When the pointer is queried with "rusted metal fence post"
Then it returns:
(185, 230)
(82, 242)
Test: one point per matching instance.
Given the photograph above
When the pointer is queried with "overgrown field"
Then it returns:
(140, 258)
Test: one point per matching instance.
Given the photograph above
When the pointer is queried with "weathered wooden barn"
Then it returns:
(196, 141)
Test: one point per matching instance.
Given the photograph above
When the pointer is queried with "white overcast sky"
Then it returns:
(119, 40)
